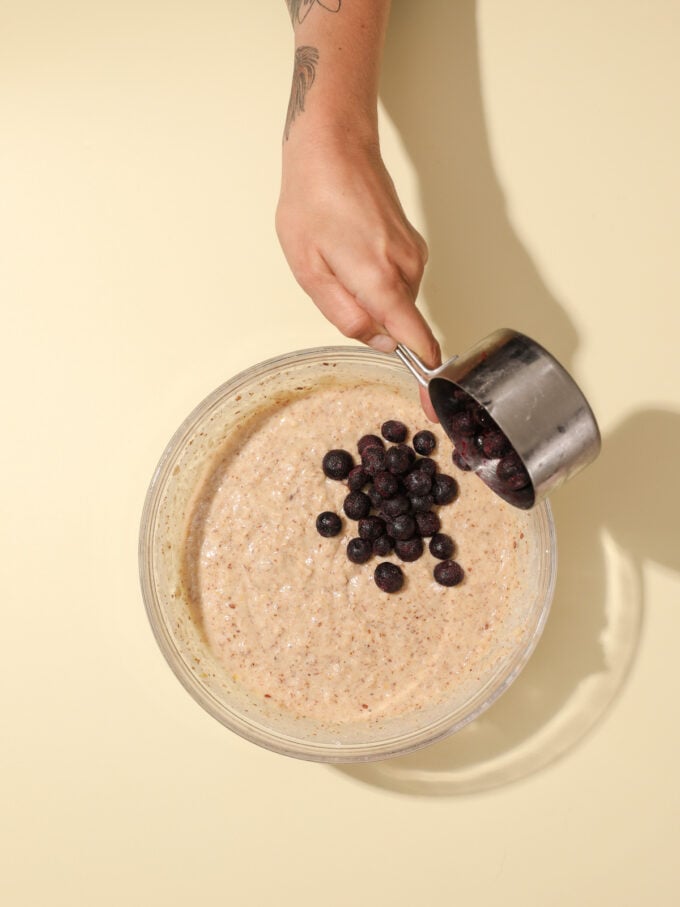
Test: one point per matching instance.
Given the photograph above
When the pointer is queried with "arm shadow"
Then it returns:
(479, 278)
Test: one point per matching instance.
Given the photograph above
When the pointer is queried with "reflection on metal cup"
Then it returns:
(509, 383)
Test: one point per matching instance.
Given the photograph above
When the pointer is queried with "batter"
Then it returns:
(300, 626)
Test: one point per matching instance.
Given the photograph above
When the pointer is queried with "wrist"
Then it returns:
(331, 127)
(334, 89)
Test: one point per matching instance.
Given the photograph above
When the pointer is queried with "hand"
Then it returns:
(350, 245)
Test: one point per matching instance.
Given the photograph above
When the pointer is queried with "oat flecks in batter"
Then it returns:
(302, 626)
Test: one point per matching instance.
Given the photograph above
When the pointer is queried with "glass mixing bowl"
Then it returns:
(183, 468)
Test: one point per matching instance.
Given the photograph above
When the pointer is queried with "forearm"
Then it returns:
(341, 225)
(338, 52)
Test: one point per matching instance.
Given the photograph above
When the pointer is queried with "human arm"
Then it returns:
(339, 219)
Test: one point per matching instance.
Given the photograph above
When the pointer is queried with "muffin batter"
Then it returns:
(300, 626)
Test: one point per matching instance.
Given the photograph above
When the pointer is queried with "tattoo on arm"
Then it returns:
(306, 58)
(299, 9)
(304, 74)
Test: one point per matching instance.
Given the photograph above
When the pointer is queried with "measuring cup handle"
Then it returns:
(417, 368)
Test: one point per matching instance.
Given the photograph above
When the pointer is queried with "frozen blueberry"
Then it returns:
(395, 506)
(426, 464)
(424, 442)
(371, 528)
(388, 577)
(408, 549)
(394, 431)
(374, 497)
(421, 503)
(427, 523)
(482, 417)
(458, 461)
(356, 505)
(510, 466)
(402, 527)
(385, 484)
(462, 424)
(518, 481)
(448, 573)
(359, 550)
(444, 488)
(337, 464)
(441, 546)
(418, 481)
(494, 444)
(400, 458)
(367, 441)
(373, 460)
(383, 545)
(357, 478)
(328, 524)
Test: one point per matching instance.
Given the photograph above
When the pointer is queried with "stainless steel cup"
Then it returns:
(529, 396)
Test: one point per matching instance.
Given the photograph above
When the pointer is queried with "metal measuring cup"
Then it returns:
(509, 387)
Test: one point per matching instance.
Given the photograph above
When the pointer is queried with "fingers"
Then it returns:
(388, 316)
(370, 299)
(426, 403)
(341, 308)
(388, 293)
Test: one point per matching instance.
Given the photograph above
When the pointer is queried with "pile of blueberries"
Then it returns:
(482, 446)
(392, 495)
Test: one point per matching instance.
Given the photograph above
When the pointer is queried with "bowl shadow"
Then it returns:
(606, 534)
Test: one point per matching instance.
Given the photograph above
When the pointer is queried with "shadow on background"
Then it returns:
(611, 518)
(479, 275)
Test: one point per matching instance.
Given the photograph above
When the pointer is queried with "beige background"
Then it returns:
(536, 145)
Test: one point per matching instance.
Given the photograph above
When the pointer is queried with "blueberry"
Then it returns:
(424, 442)
(374, 497)
(388, 577)
(328, 524)
(494, 444)
(337, 464)
(444, 488)
(448, 573)
(359, 550)
(357, 478)
(394, 431)
(395, 506)
(512, 473)
(371, 528)
(386, 484)
(408, 549)
(441, 546)
(373, 460)
(458, 461)
(421, 503)
(402, 527)
(426, 465)
(400, 458)
(418, 481)
(517, 482)
(462, 424)
(383, 545)
(482, 417)
(356, 505)
(427, 523)
(510, 466)
(367, 441)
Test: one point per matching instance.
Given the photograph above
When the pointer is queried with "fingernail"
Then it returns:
(383, 343)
